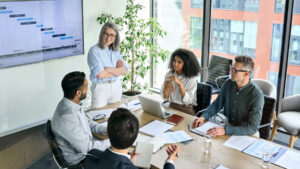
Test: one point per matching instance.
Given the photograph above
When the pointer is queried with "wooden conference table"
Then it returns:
(192, 155)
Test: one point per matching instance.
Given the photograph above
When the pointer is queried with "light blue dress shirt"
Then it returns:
(73, 131)
(99, 58)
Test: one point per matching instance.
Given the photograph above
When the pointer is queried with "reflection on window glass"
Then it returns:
(183, 23)
(242, 5)
(279, 6)
(294, 52)
(292, 83)
(234, 37)
(197, 3)
(196, 33)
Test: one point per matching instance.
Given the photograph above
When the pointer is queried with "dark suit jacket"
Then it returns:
(110, 160)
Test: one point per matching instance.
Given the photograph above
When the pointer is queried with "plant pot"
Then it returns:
(128, 96)
(130, 93)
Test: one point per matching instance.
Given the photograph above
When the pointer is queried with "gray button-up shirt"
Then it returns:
(243, 108)
(73, 131)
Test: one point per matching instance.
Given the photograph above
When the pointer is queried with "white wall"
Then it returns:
(29, 94)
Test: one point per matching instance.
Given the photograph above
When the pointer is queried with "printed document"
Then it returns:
(239, 142)
(176, 137)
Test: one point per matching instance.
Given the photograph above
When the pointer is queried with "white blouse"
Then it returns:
(190, 86)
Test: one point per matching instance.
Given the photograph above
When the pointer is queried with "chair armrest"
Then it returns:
(264, 125)
(198, 114)
(218, 78)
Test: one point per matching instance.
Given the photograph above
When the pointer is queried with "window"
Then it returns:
(197, 3)
(294, 52)
(293, 69)
(183, 23)
(292, 83)
(279, 6)
(234, 37)
(196, 33)
(242, 5)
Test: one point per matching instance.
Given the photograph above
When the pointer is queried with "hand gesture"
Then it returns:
(198, 122)
(174, 79)
(173, 152)
(119, 63)
(168, 86)
(133, 155)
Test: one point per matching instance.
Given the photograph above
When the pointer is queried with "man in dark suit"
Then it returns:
(122, 130)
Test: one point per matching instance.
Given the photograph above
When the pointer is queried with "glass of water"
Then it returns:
(266, 157)
(207, 142)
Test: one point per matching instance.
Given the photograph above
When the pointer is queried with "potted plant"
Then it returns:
(137, 46)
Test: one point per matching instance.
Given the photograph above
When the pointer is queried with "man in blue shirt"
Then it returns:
(241, 99)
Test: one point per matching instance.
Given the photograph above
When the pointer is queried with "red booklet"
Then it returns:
(175, 119)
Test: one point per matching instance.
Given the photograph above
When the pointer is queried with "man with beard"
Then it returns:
(71, 128)
(241, 100)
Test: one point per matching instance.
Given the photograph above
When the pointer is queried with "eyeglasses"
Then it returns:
(110, 35)
(234, 70)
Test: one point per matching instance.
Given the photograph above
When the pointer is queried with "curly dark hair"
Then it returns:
(191, 66)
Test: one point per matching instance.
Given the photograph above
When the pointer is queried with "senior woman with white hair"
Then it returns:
(106, 65)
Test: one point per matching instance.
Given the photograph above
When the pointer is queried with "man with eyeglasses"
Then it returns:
(241, 100)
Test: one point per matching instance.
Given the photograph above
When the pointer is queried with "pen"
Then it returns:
(275, 154)
(136, 104)
(189, 127)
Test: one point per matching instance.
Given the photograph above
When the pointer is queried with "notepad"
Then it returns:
(144, 159)
(174, 119)
(155, 128)
(202, 130)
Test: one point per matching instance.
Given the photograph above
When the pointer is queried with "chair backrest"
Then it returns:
(290, 103)
(267, 117)
(218, 66)
(267, 87)
(203, 96)
(56, 151)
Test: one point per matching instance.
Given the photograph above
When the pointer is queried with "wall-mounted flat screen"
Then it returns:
(39, 30)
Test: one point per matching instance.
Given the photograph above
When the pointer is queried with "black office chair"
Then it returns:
(204, 92)
(267, 117)
(218, 72)
(56, 152)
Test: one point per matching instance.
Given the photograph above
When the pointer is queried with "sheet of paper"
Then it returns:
(158, 142)
(290, 160)
(256, 148)
(155, 128)
(205, 127)
(239, 142)
(176, 137)
(221, 167)
(132, 105)
(106, 112)
(144, 159)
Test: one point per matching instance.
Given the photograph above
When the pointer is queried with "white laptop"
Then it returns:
(154, 107)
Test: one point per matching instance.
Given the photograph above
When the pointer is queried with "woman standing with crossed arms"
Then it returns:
(106, 65)
(180, 83)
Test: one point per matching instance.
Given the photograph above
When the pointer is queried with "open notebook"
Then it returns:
(144, 159)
